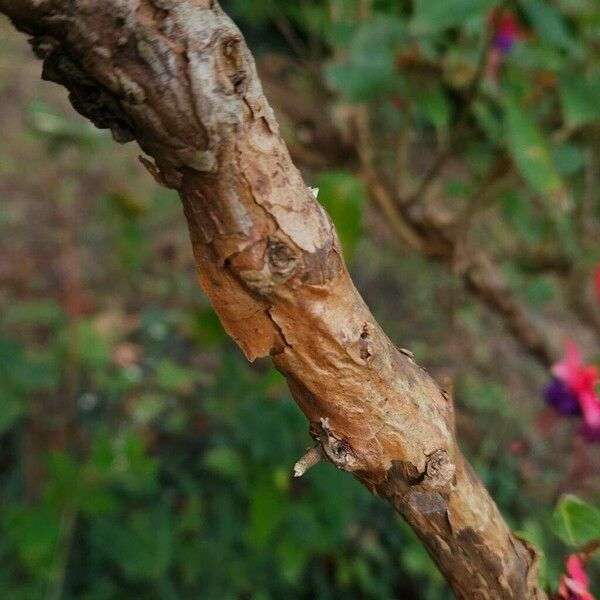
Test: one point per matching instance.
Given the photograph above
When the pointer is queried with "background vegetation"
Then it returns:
(140, 456)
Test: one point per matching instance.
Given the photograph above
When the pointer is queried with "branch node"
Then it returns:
(440, 471)
(312, 457)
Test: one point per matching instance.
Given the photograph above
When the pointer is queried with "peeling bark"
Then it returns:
(426, 227)
(176, 76)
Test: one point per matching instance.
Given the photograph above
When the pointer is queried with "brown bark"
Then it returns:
(177, 76)
(431, 230)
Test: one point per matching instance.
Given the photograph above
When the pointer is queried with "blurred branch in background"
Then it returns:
(464, 111)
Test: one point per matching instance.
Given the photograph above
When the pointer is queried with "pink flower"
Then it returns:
(575, 584)
(507, 30)
(582, 380)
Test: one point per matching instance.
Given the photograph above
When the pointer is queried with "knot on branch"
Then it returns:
(439, 471)
(231, 72)
(281, 258)
(335, 449)
(365, 343)
(404, 478)
(280, 264)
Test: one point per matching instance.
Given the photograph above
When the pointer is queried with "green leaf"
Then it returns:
(549, 23)
(575, 522)
(580, 98)
(488, 120)
(12, 408)
(540, 291)
(205, 328)
(173, 377)
(518, 212)
(121, 457)
(45, 120)
(293, 558)
(434, 106)
(41, 370)
(35, 532)
(266, 512)
(148, 407)
(432, 16)
(225, 462)
(92, 348)
(33, 312)
(367, 69)
(141, 546)
(531, 153)
(569, 158)
(342, 194)
(192, 515)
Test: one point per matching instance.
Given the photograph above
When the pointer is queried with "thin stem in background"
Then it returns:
(445, 151)
(62, 552)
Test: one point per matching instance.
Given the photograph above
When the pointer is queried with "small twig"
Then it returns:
(590, 548)
(480, 197)
(589, 196)
(312, 457)
(286, 29)
(364, 9)
(378, 192)
(403, 180)
(62, 552)
(399, 224)
(445, 151)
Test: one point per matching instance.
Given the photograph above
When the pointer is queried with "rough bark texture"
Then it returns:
(429, 227)
(177, 76)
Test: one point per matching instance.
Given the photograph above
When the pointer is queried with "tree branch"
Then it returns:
(434, 233)
(440, 235)
(177, 76)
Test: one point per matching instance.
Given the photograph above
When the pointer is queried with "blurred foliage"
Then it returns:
(342, 195)
(178, 499)
(576, 522)
(167, 468)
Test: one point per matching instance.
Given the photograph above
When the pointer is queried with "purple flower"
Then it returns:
(590, 434)
(507, 31)
(504, 42)
(558, 395)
